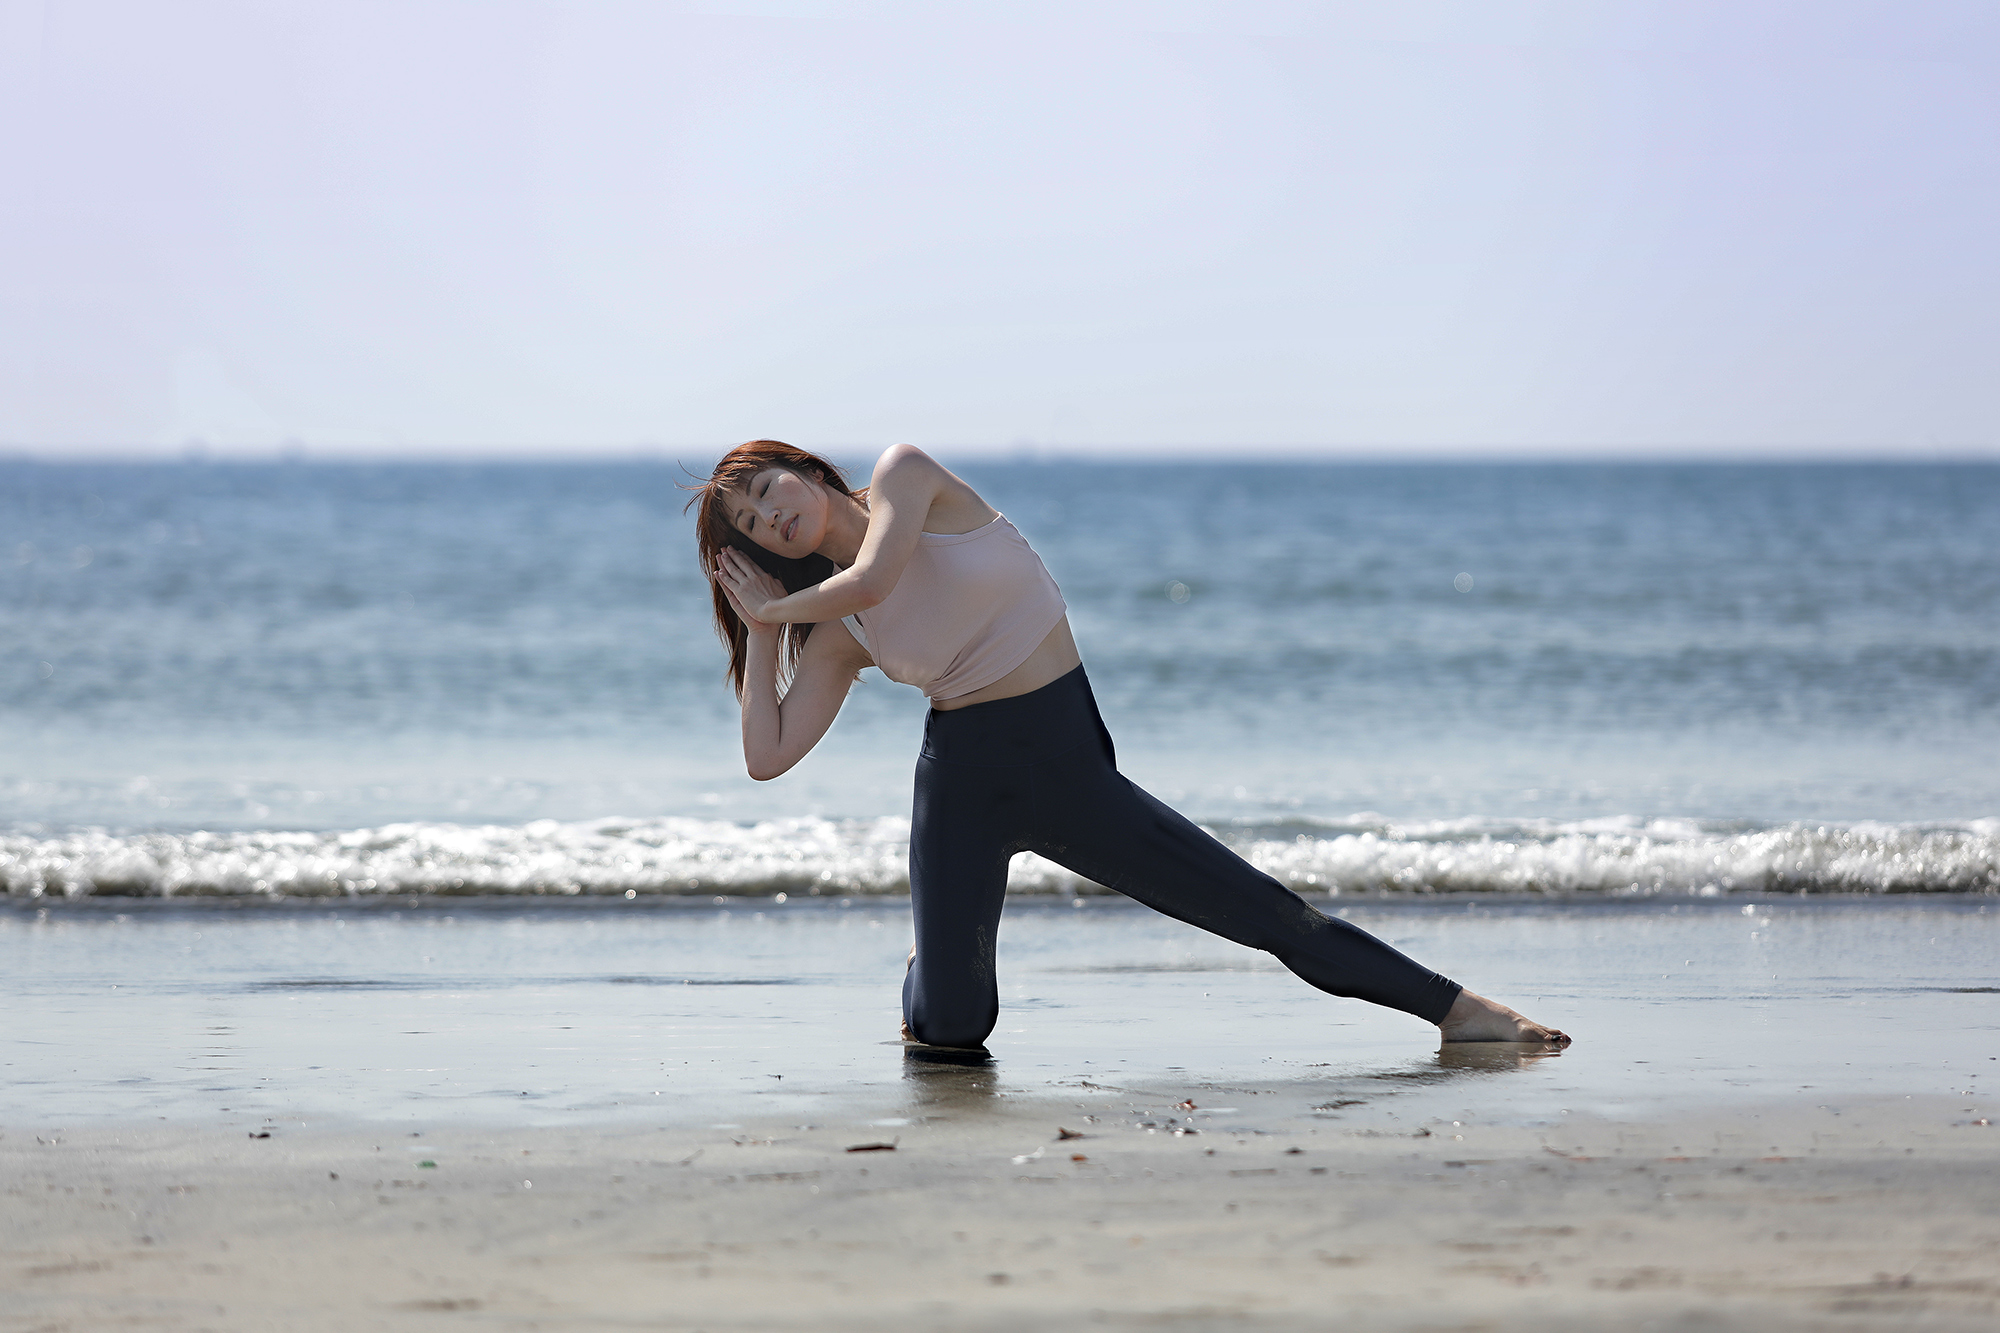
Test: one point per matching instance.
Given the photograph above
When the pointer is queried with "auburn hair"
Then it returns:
(715, 530)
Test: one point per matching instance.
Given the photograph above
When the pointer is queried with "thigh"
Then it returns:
(1104, 826)
(959, 847)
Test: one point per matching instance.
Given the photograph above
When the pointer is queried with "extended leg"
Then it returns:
(1099, 824)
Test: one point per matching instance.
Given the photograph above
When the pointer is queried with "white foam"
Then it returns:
(1638, 857)
(678, 856)
(605, 856)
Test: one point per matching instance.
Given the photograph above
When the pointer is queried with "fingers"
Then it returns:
(741, 582)
(733, 564)
(734, 568)
(736, 603)
(744, 584)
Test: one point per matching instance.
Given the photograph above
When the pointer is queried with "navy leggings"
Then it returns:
(1036, 773)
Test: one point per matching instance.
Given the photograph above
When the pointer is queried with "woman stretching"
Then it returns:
(920, 577)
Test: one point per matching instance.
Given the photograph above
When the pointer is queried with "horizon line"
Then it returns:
(1018, 452)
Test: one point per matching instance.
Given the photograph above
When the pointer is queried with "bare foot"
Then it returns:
(1476, 1018)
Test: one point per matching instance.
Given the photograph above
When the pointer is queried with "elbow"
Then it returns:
(765, 770)
(867, 595)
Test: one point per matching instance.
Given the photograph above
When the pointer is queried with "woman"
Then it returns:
(919, 576)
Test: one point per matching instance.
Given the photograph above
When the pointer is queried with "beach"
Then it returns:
(1167, 1131)
(1877, 1214)
(1496, 506)
(391, 938)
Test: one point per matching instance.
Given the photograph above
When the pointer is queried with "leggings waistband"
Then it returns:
(1026, 729)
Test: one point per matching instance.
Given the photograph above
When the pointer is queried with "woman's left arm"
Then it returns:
(900, 493)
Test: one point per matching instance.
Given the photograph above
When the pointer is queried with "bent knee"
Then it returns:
(964, 1031)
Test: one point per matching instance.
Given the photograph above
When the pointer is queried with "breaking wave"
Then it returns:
(1364, 854)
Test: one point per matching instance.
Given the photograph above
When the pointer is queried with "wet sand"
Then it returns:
(1882, 1213)
(643, 1121)
(504, 1013)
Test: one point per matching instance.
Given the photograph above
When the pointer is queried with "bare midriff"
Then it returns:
(1054, 658)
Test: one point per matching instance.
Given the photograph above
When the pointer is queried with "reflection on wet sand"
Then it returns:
(944, 1080)
(607, 1017)
(1491, 1057)
(948, 1083)
(1457, 1061)
(1453, 1063)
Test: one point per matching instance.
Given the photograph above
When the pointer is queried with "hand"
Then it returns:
(749, 590)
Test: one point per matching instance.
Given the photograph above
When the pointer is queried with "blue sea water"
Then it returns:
(326, 678)
(414, 792)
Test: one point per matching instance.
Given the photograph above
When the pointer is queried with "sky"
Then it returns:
(1405, 228)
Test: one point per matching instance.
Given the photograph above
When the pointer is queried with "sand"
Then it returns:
(1784, 1215)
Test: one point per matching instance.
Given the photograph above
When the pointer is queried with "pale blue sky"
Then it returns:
(1400, 228)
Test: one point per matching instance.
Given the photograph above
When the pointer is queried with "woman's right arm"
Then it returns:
(778, 732)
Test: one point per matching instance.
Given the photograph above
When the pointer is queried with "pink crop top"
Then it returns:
(969, 608)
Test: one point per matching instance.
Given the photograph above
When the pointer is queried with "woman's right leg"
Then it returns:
(959, 848)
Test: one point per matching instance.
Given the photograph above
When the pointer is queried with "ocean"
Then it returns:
(345, 679)
(412, 793)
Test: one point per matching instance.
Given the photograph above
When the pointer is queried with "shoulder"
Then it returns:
(906, 462)
(906, 477)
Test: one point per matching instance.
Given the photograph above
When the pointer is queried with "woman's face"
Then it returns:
(781, 511)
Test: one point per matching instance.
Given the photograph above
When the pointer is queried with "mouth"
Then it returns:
(791, 529)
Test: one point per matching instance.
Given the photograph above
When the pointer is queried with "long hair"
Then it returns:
(714, 531)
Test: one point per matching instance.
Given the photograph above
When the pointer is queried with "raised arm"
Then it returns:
(778, 731)
(907, 484)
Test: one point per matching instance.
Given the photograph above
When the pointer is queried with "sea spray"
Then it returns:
(1630, 856)
(810, 855)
